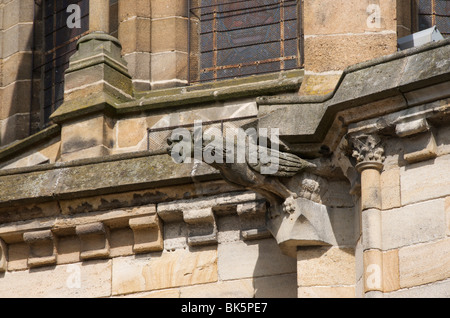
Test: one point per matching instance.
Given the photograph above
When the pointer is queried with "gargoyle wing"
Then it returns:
(276, 163)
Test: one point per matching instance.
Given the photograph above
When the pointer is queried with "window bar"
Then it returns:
(215, 40)
(282, 34)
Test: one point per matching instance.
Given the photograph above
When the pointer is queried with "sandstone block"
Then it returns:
(168, 8)
(334, 53)
(147, 231)
(425, 180)
(326, 292)
(326, 17)
(166, 270)
(390, 189)
(94, 240)
(87, 280)
(259, 258)
(169, 34)
(17, 67)
(134, 35)
(412, 224)
(169, 69)
(325, 266)
(424, 263)
(3, 254)
(131, 132)
(137, 8)
(228, 289)
(42, 248)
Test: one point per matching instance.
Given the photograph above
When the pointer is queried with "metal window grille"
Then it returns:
(435, 13)
(59, 43)
(240, 38)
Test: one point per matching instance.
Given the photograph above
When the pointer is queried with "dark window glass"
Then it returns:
(435, 13)
(59, 45)
(240, 38)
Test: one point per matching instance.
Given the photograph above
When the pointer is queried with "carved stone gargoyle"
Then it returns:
(293, 221)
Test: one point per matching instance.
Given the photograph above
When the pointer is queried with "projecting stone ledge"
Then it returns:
(311, 224)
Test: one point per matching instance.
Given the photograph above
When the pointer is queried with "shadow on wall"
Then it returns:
(19, 109)
(274, 274)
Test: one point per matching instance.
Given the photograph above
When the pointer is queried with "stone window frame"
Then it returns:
(195, 50)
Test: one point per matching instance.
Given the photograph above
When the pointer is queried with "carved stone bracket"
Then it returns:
(42, 248)
(311, 224)
(3, 253)
(94, 240)
(147, 234)
(90, 236)
(421, 143)
(200, 216)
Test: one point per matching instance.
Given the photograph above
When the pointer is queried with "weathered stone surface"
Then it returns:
(312, 224)
(169, 34)
(166, 270)
(277, 286)
(87, 280)
(3, 254)
(447, 214)
(420, 147)
(167, 8)
(390, 189)
(94, 239)
(148, 236)
(224, 289)
(326, 17)
(425, 180)
(259, 258)
(412, 224)
(438, 67)
(334, 53)
(326, 292)
(439, 289)
(325, 266)
(424, 263)
(99, 178)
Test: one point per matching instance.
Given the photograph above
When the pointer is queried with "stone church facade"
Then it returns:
(92, 204)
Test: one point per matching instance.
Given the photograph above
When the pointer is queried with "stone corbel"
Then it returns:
(421, 143)
(249, 214)
(42, 247)
(310, 224)
(147, 231)
(3, 259)
(94, 239)
(202, 227)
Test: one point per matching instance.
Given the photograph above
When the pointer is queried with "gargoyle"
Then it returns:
(250, 173)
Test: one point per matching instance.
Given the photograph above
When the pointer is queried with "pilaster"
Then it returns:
(369, 155)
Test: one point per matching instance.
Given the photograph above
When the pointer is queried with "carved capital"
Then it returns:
(368, 151)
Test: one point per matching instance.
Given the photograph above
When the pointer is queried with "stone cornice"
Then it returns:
(118, 173)
(407, 74)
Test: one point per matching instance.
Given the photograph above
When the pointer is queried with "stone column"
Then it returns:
(99, 16)
(369, 156)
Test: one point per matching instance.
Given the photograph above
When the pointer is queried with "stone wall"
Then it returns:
(16, 63)
(93, 205)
